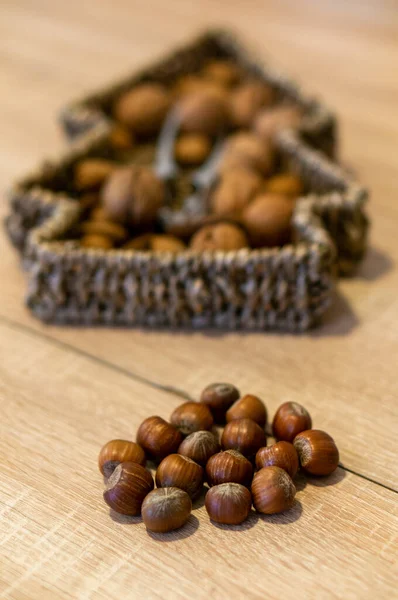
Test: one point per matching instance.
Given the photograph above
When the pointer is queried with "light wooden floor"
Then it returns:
(63, 392)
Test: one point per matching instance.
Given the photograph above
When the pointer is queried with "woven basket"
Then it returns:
(318, 128)
(281, 288)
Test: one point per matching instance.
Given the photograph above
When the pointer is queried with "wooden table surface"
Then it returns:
(65, 391)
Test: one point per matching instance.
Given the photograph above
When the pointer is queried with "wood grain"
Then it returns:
(57, 539)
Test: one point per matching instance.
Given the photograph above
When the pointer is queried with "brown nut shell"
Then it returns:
(228, 503)
(223, 72)
(273, 491)
(144, 108)
(247, 100)
(133, 196)
(156, 243)
(229, 466)
(219, 236)
(269, 122)
(285, 184)
(247, 150)
(179, 471)
(98, 213)
(192, 149)
(166, 243)
(236, 188)
(243, 435)
(290, 419)
(121, 137)
(119, 451)
(204, 112)
(96, 242)
(219, 397)
(166, 509)
(127, 487)
(158, 438)
(318, 453)
(267, 220)
(248, 407)
(191, 84)
(199, 446)
(117, 233)
(191, 416)
(282, 455)
(90, 173)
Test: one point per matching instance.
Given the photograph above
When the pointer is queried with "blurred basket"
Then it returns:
(284, 288)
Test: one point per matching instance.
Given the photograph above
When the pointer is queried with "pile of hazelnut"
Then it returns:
(239, 468)
(251, 198)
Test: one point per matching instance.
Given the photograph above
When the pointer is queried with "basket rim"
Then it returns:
(317, 115)
(348, 193)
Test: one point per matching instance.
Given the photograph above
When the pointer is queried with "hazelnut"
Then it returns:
(281, 454)
(219, 236)
(156, 243)
(247, 150)
(121, 138)
(267, 220)
(248, 407)
(269, 122)
(191, 84)
(127, 487)
(289, 420)
(166, 243)
(223, 72)
(180, 471)
(96, 241)
(237, 187)
(119, 451)
(273, 490)
(91, 173)
(117, 233)
(98, 213)
(166, 509)
(229, 466)
(285, 184)
(133, 196)
(243, 435)
(143, 108)
(228, 503)
(318, 453)
(158, 438)
(192, 149)
(203, 112)
(191, 416)
(247, 100)
(219, 397)
(199, 446)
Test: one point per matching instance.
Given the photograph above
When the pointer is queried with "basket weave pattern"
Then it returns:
(279, 288)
